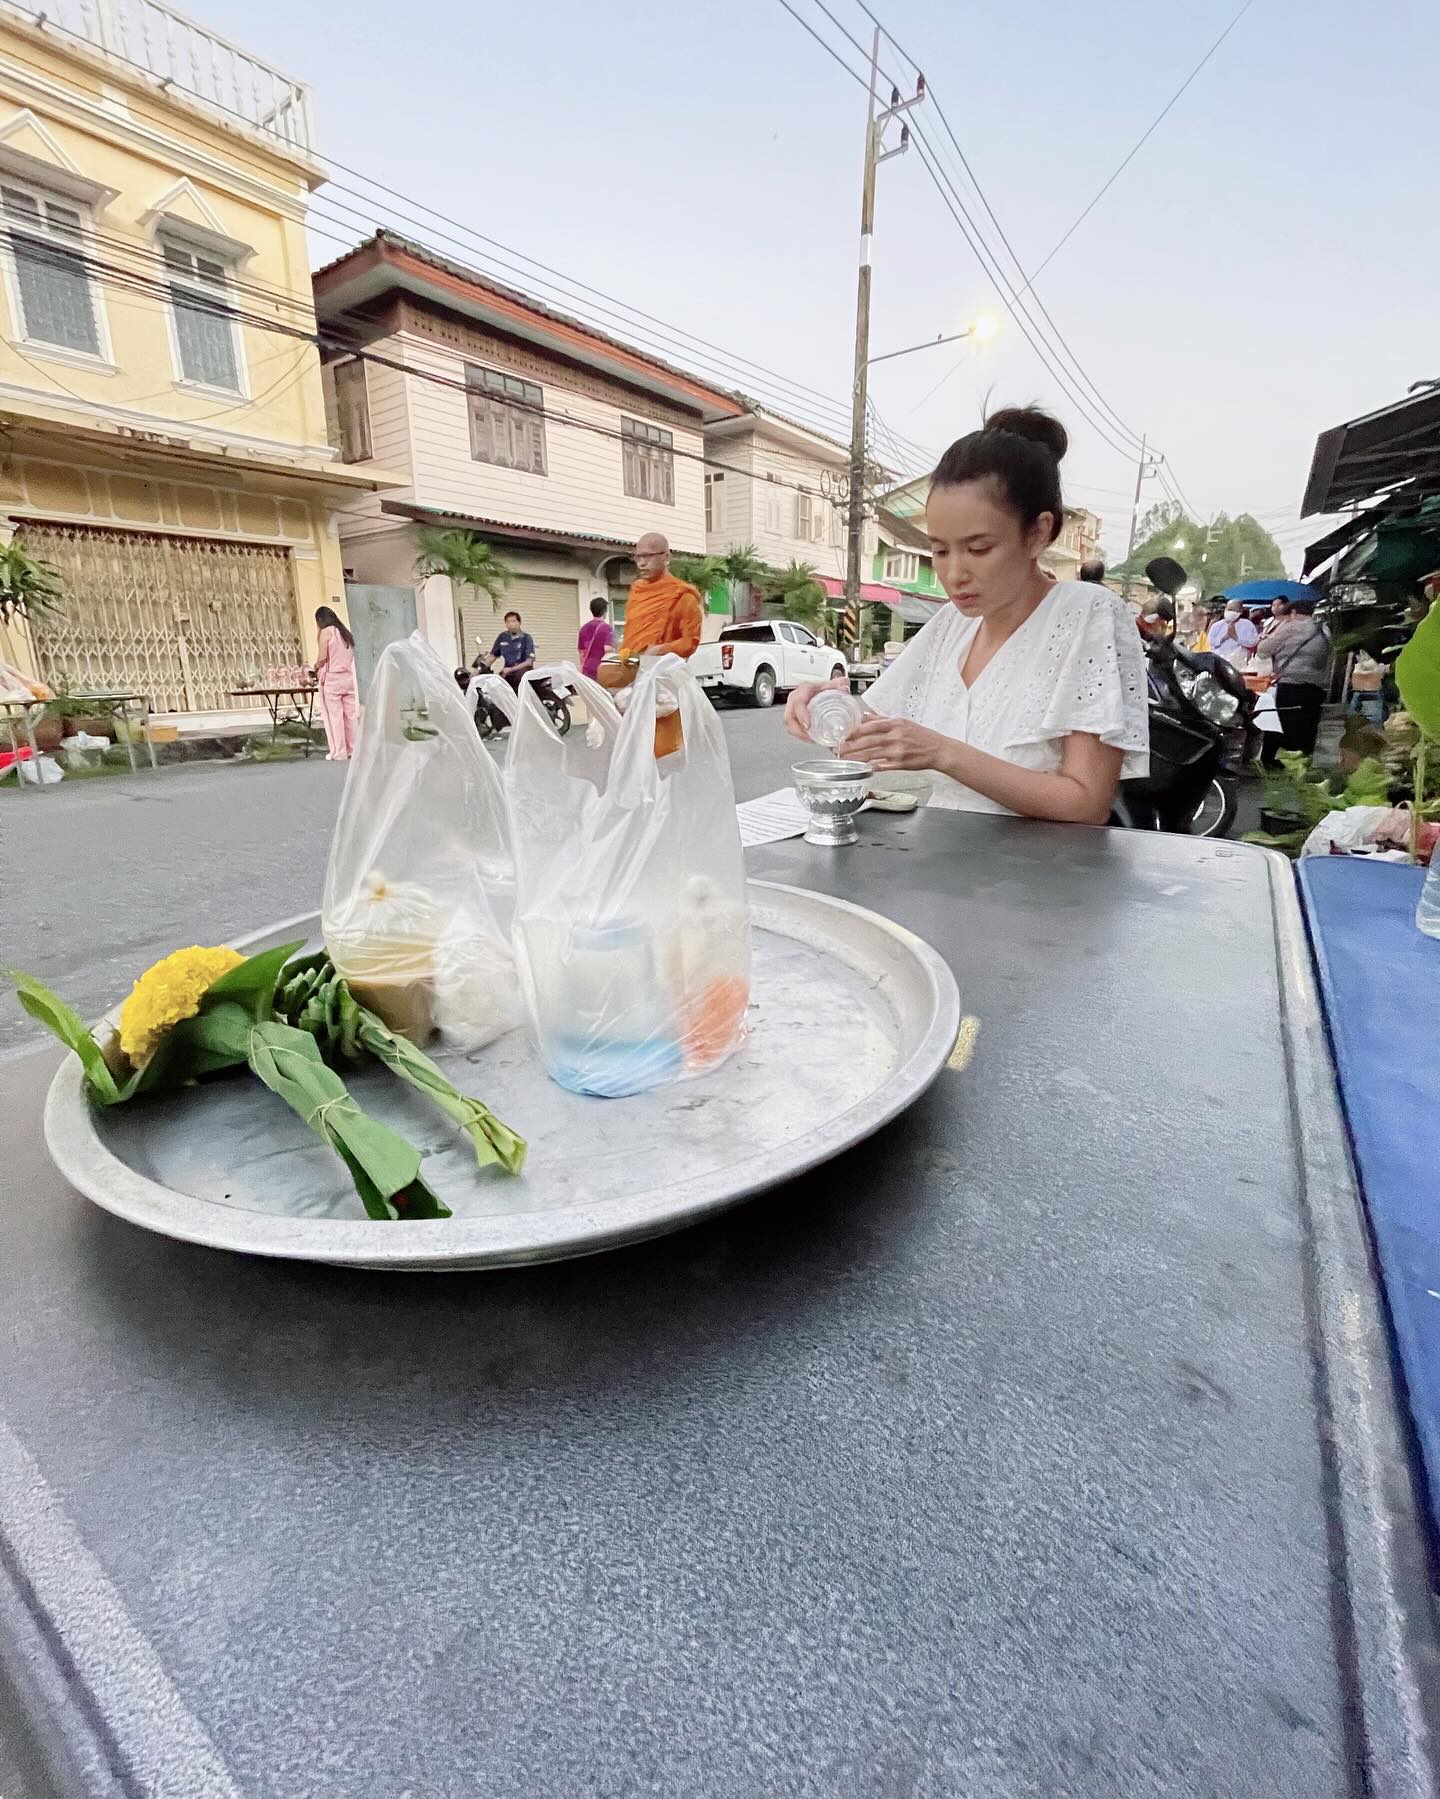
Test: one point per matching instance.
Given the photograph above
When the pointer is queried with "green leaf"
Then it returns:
(384, 1167)
(49, 1009)
(1417, 674)
(253, 982)
(491, 1138)
(1291, 843)
(1369, 785)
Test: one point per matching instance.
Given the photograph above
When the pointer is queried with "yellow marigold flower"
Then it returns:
(168, 992)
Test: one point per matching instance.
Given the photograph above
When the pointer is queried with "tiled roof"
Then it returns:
(539, 534)
(392, 240)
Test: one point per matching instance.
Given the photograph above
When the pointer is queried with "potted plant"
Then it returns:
(95, 718)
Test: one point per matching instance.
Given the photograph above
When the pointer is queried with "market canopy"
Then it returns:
(1397, 447)
(1348, 531)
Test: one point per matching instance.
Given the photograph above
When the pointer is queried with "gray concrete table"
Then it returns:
(1045, 1446)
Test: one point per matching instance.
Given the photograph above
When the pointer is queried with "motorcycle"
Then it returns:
(1200, 712)
(493, 695)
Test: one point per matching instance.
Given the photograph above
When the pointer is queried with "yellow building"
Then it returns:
(163, 442)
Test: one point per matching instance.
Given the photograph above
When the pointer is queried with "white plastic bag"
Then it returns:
(40, 771)
(1350, 830)
(419, 889)
(632, 929)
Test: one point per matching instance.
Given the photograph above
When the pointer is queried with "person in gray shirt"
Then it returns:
(1298, 646)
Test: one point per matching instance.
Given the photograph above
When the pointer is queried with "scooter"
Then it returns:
(1199, 714)
(492, 693)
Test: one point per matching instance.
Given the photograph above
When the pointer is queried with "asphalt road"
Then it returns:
(99, 878)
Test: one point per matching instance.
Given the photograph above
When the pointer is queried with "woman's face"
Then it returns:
(984, 556)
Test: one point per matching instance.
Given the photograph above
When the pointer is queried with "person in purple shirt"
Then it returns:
(596, 636)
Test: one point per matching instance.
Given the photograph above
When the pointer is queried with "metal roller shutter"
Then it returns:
(550, 611)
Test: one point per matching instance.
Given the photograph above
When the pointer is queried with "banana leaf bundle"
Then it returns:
(199, 1012)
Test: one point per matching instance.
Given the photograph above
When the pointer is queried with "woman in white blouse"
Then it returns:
(1024, 695)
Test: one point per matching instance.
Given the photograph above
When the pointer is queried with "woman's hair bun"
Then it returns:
(1031, 422)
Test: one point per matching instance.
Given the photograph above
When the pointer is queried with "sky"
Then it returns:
(1263, 269)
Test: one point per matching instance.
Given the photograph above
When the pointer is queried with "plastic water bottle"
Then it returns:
(833, 716)
(1427, 913)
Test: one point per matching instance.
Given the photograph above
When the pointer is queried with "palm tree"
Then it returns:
(702, 572)
(466, 558)
(743, 568)
(743, 564)
(801, 596)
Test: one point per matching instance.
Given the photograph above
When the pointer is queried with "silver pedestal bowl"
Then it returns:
(832, 791)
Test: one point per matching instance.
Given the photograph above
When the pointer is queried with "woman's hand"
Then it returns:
(888, 743)
(797, 707)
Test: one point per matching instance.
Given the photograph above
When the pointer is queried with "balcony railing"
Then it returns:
(181, 54)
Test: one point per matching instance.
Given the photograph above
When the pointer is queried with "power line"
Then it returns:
(1029, 280)
(1141, 140)
(128, 281)
(945, 191)
(1028, 283)
(950, 195)
(730, 362)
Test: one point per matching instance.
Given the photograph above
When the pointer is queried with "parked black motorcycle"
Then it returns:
(1200, 710)
(489, 724)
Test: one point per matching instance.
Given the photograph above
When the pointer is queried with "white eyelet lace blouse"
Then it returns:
(1076, 664)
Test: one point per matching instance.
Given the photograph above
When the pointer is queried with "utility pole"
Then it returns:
(875, 124)
(1142, 469)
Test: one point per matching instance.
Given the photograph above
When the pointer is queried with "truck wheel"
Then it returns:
(839, 672)
(763, 692)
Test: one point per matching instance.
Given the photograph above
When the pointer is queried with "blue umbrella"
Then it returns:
(1255, 592)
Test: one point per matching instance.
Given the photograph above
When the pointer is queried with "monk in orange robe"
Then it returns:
(662, 617)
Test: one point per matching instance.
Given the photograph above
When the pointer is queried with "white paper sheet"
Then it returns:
(771, 818)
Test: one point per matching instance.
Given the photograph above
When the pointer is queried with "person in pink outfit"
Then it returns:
(335, 672)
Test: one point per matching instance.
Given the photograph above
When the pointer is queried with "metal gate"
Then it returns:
(183, 620)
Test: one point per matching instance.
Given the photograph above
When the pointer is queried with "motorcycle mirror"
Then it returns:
(1166, 573)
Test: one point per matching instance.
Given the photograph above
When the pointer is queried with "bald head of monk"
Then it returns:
(652, 555)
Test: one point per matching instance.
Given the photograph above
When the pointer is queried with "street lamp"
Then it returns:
(982, 331)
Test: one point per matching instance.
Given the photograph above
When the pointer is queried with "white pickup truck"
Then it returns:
(763, 658)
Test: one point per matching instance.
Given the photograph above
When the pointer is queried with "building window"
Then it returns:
(507, 420)
(352, 406)
(714, 503)
(902, 565)
(56, 302)
(204, 329)
(804, 516)
(837, 526)
(649, 459)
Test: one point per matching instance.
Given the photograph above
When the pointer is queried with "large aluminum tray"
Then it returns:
(851, 1019)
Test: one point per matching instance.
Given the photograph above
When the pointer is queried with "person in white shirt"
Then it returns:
(1023, 695)
(1233, 636)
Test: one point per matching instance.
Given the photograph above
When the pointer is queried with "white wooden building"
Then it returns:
(557, 444)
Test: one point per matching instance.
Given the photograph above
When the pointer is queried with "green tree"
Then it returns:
(702, 572)
(1215, 555)
(800, 596)
(743, 564)
(466, 558)
(27, 588)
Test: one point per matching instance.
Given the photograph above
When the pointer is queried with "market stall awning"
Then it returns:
(1348, 531)
(871, 592)
(1397, 446)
